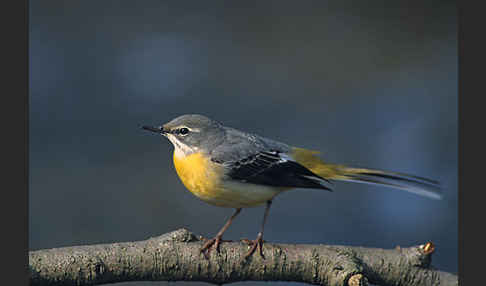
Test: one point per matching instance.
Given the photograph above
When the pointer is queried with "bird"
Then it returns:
(226, 167)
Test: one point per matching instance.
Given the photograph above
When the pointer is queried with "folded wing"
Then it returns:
(274, 168)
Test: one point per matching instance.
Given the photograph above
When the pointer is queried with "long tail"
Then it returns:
(414, 184)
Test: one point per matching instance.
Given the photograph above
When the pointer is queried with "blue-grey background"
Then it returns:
(368, 83)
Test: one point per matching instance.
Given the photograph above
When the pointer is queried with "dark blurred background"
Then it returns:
(368, 83)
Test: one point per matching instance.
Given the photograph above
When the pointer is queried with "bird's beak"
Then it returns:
(159, 129)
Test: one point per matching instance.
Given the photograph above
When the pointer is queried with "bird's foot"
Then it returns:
(254, 244)
(210, 244)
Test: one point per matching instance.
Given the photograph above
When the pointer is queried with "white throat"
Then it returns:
(181, 150)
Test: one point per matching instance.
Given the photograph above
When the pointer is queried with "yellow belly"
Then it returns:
(205, 180)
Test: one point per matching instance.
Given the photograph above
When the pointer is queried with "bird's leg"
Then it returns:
(258, 242)
(206, 248)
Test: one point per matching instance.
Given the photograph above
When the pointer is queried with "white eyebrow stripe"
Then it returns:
(191, 129)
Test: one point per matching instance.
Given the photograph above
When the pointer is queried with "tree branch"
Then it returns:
(175, 256)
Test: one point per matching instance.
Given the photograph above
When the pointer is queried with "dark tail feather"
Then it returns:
(414, 184)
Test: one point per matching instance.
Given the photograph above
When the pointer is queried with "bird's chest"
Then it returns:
(198, 174)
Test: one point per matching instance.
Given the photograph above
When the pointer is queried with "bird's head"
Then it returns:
(191, 133)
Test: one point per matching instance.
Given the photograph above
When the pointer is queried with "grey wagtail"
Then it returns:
(226, 167)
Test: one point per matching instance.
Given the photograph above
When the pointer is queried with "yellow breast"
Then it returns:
(198, 174)
(205, 180)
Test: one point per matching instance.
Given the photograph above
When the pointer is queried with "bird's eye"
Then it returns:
(183, 131)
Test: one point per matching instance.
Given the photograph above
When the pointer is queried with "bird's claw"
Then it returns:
(210, 244)
(254, 244)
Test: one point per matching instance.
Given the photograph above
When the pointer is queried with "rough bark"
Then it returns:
(175, 256)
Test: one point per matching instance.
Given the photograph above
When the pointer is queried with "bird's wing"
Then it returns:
(254, 159)
(273, 168)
